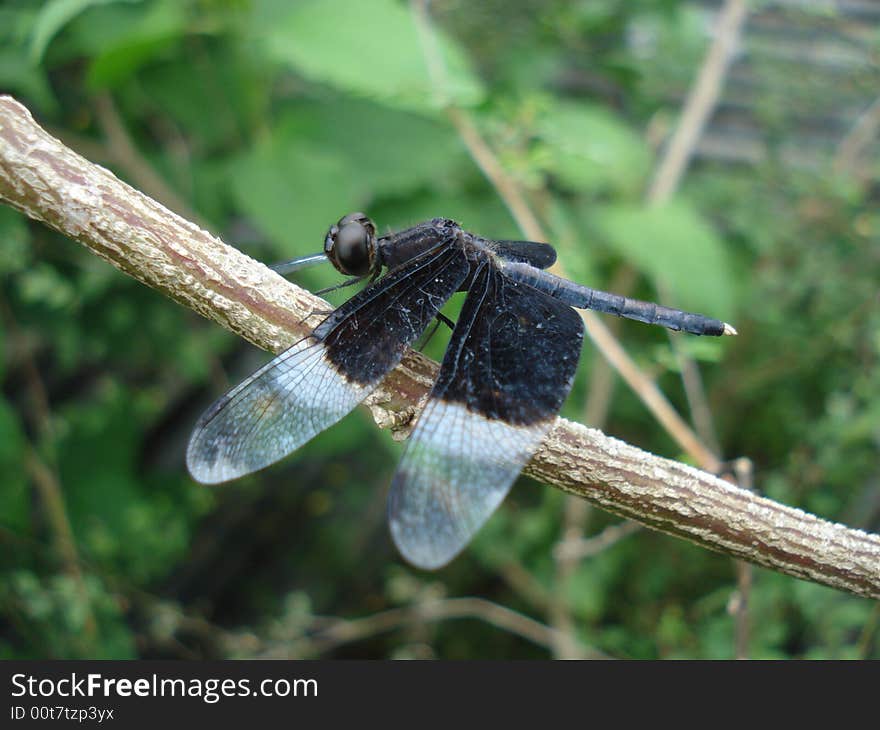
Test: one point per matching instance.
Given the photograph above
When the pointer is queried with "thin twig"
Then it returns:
(700, 103)
(851, 149)
(349, 631)
(590, 547)
(525, 584)
(52, 499)
(53, 502)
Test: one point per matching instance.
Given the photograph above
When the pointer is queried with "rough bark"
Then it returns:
(49, 182)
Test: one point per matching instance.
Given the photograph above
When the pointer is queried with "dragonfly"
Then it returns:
(507, 370)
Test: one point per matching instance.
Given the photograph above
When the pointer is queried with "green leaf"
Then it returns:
(20, 77)
(293, 190)
(591, 150)
(323, 160)
(215, 95)
(149, 32)
(53, 16)
(371, 49)
(389, 151)
(676, 247)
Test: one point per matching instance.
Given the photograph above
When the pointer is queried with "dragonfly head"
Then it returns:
(351, 246)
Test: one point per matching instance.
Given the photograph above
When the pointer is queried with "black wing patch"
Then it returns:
(508, 368)
(312, 385)
(539, 255)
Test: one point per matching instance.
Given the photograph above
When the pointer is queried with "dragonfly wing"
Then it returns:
(312, 385)
(508, 368)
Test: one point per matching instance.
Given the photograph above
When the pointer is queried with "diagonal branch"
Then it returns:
(49, 182)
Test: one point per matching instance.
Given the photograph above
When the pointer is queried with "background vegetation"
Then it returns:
(268, 120)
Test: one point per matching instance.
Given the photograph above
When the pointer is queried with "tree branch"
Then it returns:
(48, 182)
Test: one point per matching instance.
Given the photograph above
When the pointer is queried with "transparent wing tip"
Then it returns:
(205, 470)
(418, 551)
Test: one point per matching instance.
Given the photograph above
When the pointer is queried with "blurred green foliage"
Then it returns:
(272, 119)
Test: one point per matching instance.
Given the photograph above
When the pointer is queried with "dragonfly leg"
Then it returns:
(341, 285)
(438, 320)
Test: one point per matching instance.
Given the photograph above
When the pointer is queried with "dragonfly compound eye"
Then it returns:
(351, 245)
